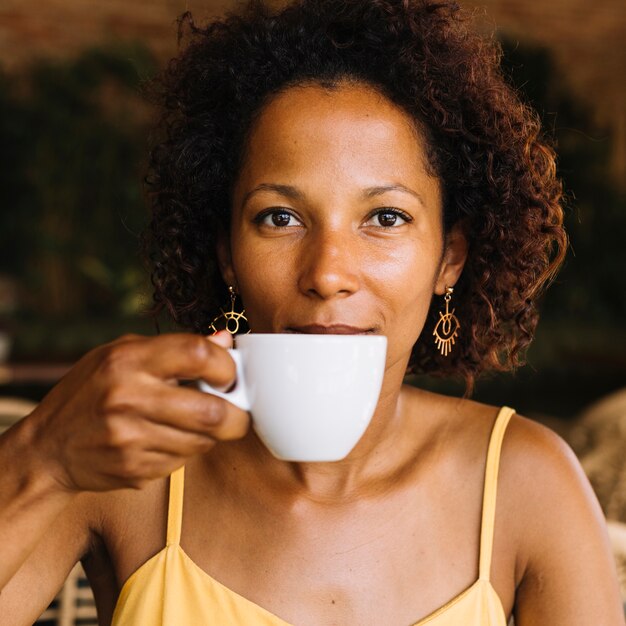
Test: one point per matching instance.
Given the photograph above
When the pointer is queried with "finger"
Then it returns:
(182, 356)
(137, 451)
(225, 340)
(166, 439)
(190, 410)
(127, 438)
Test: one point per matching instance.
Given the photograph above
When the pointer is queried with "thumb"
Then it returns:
(222, 338)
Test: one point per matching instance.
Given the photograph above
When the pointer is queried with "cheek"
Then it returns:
(403, 282)
(407, 272)
(263, 279)
(408, 302)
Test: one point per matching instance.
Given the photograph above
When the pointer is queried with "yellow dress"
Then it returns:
(171, 590)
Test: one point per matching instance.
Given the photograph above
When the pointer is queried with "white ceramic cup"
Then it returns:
(311, 397)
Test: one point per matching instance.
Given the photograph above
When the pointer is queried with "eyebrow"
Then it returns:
(295, 194)
(284, 190)
(371, 192)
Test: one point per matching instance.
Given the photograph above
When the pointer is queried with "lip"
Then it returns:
(334, 329)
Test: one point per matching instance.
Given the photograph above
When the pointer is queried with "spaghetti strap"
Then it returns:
(490, 490)
(175, 506)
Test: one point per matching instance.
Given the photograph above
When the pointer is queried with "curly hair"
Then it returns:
(497, 171)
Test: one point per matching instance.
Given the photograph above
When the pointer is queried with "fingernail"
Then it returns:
(221, 338)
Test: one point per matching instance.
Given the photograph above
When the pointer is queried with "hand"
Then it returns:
(119, 418)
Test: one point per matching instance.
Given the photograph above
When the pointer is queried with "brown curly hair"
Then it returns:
(484, 143)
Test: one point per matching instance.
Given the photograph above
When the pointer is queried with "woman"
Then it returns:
(341, 166)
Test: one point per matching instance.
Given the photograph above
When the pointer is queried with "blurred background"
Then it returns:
(74, 133)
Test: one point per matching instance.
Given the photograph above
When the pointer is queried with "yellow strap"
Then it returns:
(175, 506)
(490, 490)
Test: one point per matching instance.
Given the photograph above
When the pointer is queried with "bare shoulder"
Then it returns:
(543, 497)
(564, 568)
(541, 480)
(532, 450)
(542, 465)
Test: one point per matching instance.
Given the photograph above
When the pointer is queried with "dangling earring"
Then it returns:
(447, 327)
(232, 317)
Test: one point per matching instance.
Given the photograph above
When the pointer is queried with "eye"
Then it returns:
(389, 217)
(278, 218)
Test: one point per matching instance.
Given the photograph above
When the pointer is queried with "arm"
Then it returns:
(30, 501)
(569, 577)
(43, 531)
(117, 420)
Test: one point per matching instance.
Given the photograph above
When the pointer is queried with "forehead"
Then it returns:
(349, 135)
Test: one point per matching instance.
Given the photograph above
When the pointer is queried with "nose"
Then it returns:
(329, 266)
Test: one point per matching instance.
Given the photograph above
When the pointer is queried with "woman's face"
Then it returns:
(336, 224)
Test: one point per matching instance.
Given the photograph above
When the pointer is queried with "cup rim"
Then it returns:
(308, 337)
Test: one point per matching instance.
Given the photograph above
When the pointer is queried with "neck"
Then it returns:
(368, 470)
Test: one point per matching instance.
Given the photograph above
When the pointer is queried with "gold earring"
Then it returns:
(232, 317)
(448, 325)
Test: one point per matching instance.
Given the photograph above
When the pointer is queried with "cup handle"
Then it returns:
(237, 396)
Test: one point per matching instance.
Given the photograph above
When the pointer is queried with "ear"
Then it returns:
(454, 257)
(224, 259)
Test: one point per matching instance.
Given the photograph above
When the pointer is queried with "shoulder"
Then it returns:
(541, 464)
(550, 517)
(550, 503)
(542, 470)
(534, 459)
(565, 571)
(534, 449)
(528, 447)
(544, 498)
